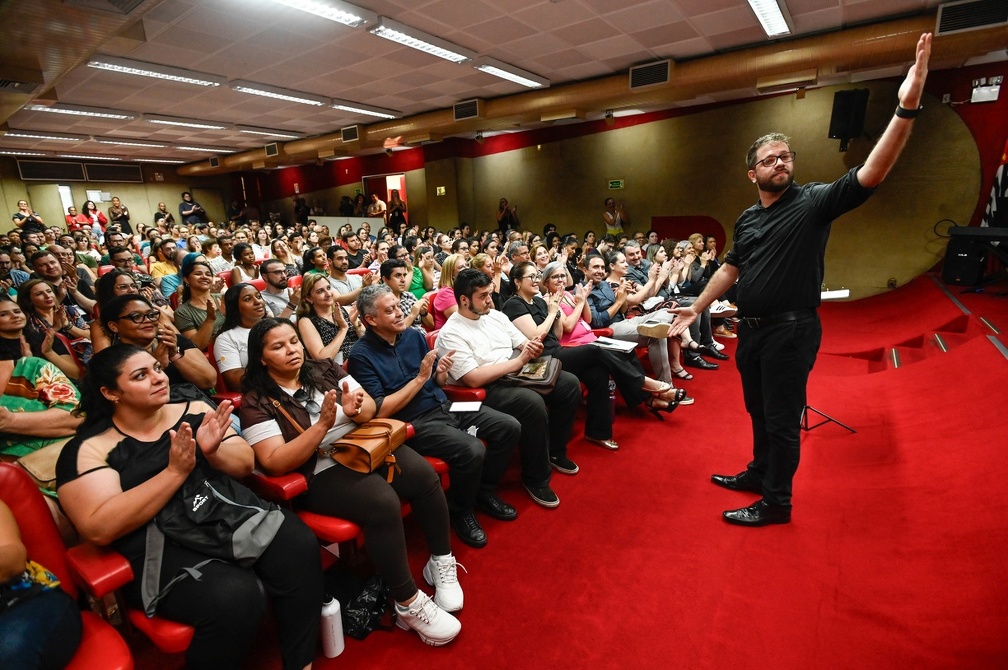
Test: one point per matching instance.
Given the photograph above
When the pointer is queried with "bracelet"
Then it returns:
(904, 113)
(174, 357)
(291, 306)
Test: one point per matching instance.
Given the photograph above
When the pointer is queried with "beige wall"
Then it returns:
(695, 165)
(141, 199)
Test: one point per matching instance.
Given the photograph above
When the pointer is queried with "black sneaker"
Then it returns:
(543, 496)
(564, 465)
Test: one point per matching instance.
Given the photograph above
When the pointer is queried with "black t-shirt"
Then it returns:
(31, 225)
(538, 310)
(10, 350)
(779, 250)
(355, 260)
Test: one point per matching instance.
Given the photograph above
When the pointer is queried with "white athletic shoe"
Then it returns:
(434, 626)
(443, 576)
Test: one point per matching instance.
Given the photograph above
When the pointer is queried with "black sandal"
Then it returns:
(658, 411)
(681, 373)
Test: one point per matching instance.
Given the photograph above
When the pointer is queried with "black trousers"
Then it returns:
(458, 439)
(593, 366)
(227, 603)
(775, 362)
(376, 506)
(546, 423)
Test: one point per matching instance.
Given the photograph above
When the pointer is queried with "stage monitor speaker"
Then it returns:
(964, 262)
(847, 121)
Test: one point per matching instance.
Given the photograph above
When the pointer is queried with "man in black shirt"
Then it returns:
(777, 259)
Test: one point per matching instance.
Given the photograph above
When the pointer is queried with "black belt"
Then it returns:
(783, 317)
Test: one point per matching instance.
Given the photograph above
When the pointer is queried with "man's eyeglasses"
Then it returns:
(313, 407)
(139, 317)
(770, 161)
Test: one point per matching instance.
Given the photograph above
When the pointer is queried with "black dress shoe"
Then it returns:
(695, 361)
(712, 352)
(494, 507)
(743, 481)
(760, 513)
(468, 529)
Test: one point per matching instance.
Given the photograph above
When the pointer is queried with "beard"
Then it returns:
(769, 184)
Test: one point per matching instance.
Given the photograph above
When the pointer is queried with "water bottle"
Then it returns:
(331, 627)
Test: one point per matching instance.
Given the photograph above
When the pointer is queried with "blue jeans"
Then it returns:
(41, 632)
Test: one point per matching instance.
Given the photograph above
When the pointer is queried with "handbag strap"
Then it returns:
(276, 403)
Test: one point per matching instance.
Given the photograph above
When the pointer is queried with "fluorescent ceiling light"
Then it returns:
(155, 71)
(34, 135)
(184, 123)
(157, 160)
(4, 152)
(206, 150)
(79, 110)
(90, 158)
(129, 143)
(510, 72)
(266, 132)
(358, 108)
(278, 93)
(417, 39)
(334, 10)
(771, 17)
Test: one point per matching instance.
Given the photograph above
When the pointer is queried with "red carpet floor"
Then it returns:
(896, 556)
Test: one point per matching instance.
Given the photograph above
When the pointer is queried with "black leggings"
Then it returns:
(227, 604)
(375, 505)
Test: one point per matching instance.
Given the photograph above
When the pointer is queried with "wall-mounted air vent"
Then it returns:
(957, 17)
(467, 109)
(651, 74)
(123, 7)
(121, 172)
(54, 171)
(272, 149)
(214, 162)
(350, 133)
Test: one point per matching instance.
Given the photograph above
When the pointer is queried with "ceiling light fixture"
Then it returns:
(358, 108)
(33, 135)
(4, 152)
(421, 41)
(266, 132)
(90, 158)
(139, 68)
(772, 17)
(278, 93)
(79, 110)
(157, 160)
(207, 150)
(334, 10)
(510, 73)
(184, 123)
(129, 143)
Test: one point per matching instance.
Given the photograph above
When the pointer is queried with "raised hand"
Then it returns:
(25, 347)
(912, 88)
(327, 417)
(182, 450)
(426, 366)
(213, 428)
(445, 364)
(352, 401)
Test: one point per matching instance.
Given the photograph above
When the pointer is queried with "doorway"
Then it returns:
(382, 186)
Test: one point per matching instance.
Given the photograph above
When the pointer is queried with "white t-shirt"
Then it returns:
(231, 349)
(490, 339)
(344, 424)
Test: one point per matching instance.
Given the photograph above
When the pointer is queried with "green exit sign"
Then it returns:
(615, 183)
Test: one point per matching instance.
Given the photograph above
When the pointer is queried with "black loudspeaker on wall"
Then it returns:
(847, 120)
(964, 262)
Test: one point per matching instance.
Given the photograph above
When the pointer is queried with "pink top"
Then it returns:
(443, 299)
(582, 333)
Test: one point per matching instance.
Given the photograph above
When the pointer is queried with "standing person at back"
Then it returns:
(777, 258)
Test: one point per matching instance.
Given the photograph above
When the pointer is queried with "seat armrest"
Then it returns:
(602, 332)
(99, 570)
(464, 393)
(277, 487)
(235, 398)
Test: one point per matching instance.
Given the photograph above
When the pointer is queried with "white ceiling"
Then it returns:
(261, 41)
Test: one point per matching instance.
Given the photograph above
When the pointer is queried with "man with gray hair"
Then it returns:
(777, 258)
(393, 363)
(637, 265)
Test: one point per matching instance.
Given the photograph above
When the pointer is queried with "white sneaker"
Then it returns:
(443, 576)
(718, 346)
(434, 626)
